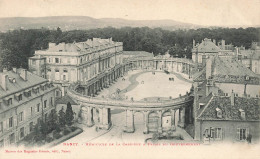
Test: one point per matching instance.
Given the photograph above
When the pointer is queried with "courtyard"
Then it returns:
(138, 85)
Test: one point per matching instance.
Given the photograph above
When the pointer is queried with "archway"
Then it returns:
(153, 119)
(139, 121)
(167, 121)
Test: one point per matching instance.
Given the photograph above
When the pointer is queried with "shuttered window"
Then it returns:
(242, 133)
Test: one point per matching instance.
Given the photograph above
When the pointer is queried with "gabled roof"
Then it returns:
(206, 46)
(229, 112)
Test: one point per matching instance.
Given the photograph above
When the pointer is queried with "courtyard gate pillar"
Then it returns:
(129, 125)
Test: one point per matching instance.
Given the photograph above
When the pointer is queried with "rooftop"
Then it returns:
(15, 83)
(231, 112)
(206, 46)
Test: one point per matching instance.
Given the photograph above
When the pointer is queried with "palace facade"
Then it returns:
(25, 99)
(64, 64)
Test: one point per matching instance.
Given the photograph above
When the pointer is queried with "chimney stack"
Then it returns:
(232, 98)
(209, 68)
(51, 45)
(24, 74)
(4, 80)
(15, 69)
(223, 44)
(214, 41)
(4, 70)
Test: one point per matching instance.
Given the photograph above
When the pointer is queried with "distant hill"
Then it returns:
(84, 22)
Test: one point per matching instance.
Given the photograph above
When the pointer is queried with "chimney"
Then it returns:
(15, 69)
(4, 80)
(232, 98)
(214, 41)
(51, 45)
(208, 68)
(223, 44)
(24, 74)
(4, 70)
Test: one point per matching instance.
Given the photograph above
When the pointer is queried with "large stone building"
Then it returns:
(226, 101)
(25, 99)
(207, 48)
(64, 64)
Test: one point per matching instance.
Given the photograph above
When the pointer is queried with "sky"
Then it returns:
(202, 12)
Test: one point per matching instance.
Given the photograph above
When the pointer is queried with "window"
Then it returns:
(214, 133)
(64, 77)
(38, 107)
(20, 116)
(31, 126)
(21, 132)
(242, 133)
(11, 122)
(2, 143)
(46, 117)
(45, 104)
(29, 94)
(57, 60)
(9, 101)
(51, 100)
(1, 127)
(31, 111)
(12, 138)
(33, 62)
(20, 97)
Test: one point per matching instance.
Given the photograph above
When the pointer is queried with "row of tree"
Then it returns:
(55, 122)
(16, 46)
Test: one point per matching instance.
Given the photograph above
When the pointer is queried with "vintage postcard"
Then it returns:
(129, 79)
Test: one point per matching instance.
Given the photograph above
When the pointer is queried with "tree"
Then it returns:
(53, 120)
(69, 114)
(62, 120)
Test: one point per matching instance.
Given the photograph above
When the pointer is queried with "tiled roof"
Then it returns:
(207, 46)
(20, 84)
(200, 76)
(229, 112)
(228, 66)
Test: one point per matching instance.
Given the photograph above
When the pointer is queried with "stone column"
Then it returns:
(129, 125)
(146, 131)
(160, 121)
(173, 119)
(104, 118)
(181, 117)
(90, 117)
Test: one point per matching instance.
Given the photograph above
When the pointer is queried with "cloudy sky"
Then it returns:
(203, 12)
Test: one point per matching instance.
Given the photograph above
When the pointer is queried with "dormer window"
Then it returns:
(242, 114)
(219, 113)
(201, 105)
